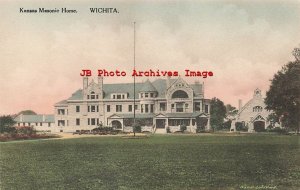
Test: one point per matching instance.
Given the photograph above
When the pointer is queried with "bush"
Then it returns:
(278, 130)
(26, 130)
(137, 128)
(168, 130)
(241, 126)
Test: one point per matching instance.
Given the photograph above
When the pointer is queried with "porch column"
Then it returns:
(208, 123)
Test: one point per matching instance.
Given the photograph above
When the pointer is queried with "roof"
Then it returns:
(147, 115)
(148, 87)
(159, 86)
(34, 118)
(62, 102)
(183, 115)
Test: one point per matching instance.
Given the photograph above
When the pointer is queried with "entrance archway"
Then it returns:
(160, 123)
(259, 126)
(116, 124)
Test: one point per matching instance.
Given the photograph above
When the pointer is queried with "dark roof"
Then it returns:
(146, 115)
(35, 118)
(158, 86)
(183, 115)
(148, 87)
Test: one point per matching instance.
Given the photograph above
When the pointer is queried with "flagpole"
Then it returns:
(134, 78)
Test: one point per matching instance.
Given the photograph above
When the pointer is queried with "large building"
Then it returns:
(253, 114)
(159, 104)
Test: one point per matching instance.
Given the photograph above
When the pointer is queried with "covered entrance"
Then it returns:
(160, 123)
(116, 124)
(259, 126)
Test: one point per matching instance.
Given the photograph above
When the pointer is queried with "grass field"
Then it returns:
(158, 162)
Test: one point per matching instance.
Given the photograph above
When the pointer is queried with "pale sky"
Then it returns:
(243, 42)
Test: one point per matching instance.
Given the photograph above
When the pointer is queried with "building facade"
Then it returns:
(40, 122)
(158, 105)
(253, 114)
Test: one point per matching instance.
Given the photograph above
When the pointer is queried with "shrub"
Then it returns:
(137, 128)
(168, 130)
(278, 130)
(241, 126)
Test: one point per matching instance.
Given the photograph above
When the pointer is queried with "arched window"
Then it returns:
(257, 109)
(180, 94)
(93, 95)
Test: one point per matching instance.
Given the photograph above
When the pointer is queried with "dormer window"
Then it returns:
(119, 96)
(93, 95)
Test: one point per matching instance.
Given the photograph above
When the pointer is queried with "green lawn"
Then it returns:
(158, 162)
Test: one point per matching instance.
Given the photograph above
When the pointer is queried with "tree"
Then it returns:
(6, 124)
(217, 113)
(27, 112)
(283, 96)
(231, 110)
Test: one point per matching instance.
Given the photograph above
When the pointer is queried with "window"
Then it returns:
(180, 94)
(136, 107)
(93, 108)
(162, 106)
(93, 121)
(151, 108)
(206, 109)
(89, 121)
(114, 96)
(172, 106)
(146, 95)
(142, 108)
(257, 109)
(92, 95)
(36, 124)
(60, 123)
(146, 108)
(197, 106)
(129, 108)
(41, 123)
(123, 96)
(77, 108)
(97, 96)
(142, 95)
(88, 96)
(49, 124)
(108, 108)
(77, 121)
(118, 108)
(179, 107)
(119, 96)
(151, 95)
(61, 112)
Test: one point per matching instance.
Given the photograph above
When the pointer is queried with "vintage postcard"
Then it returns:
(158, 94)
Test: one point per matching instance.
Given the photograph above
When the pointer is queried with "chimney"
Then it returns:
(100, 84)
(240, 104)
(198, 87)
(85, 86)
